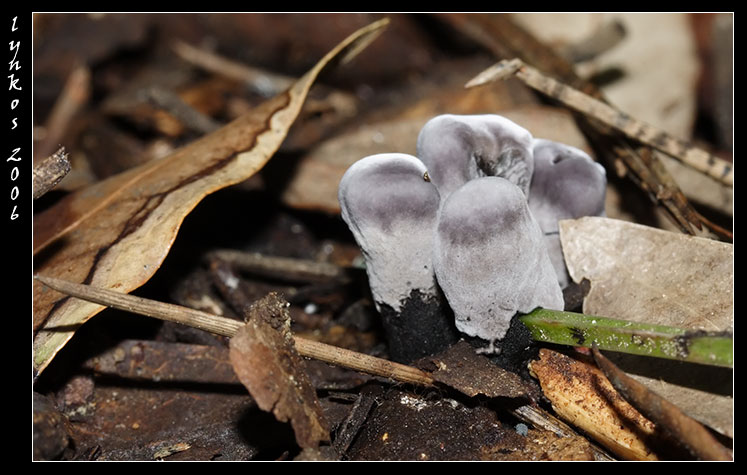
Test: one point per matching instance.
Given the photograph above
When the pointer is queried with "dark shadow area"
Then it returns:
(710, 379)
(271, 439)
(101, 333)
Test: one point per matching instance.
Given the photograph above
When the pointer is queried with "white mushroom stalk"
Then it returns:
(490, 258)
(567, 184)
(391, 209)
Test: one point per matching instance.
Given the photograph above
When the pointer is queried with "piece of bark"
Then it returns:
(49, 172)
(265, 360)
(459, 367)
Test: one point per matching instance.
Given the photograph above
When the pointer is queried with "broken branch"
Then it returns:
(228, 327)
(657, 409)
(49, 172)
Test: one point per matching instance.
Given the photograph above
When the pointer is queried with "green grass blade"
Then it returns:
(576, 329)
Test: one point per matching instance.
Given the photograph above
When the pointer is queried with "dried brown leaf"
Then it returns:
(648, 275)
(116, 234)
(265, 360)
(581, 394)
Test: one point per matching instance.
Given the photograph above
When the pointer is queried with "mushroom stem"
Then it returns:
(567, 184)
(391, 209)
(490, 258)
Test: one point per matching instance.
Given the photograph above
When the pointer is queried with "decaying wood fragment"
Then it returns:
(461, 368)
(265, 360)
(49, 172)
(582, 395)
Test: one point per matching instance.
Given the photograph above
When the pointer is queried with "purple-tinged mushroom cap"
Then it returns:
(391, 209)
(567, 184)
(459, 148)
(490, 258)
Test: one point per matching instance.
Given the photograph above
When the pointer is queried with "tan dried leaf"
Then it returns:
(115, 234)
(266, 361)
(581, 395)
(648, 275)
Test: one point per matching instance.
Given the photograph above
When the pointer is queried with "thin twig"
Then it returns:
(227, 327)
(285, 267)
(73, 97)
(660, 411)
(49, 172)
(262, 82)
(688, 154)
(500, 35)
(183, 112)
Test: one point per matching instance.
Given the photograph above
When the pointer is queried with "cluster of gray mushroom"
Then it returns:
(464, 236)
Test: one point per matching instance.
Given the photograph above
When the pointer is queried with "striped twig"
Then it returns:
(647, 134)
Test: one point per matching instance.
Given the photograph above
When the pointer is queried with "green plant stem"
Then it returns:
(576, 329)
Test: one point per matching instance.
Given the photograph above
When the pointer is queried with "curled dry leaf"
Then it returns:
(581, 394)
(267, 363)
(115, 234)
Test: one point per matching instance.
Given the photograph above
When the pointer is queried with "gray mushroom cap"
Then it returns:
(490, 258)
(459, 148)
(567, 184)
(391, 210)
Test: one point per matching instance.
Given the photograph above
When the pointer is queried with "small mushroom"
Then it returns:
(391, 208)
(567, 184)
(490, 258)
(459, 148)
